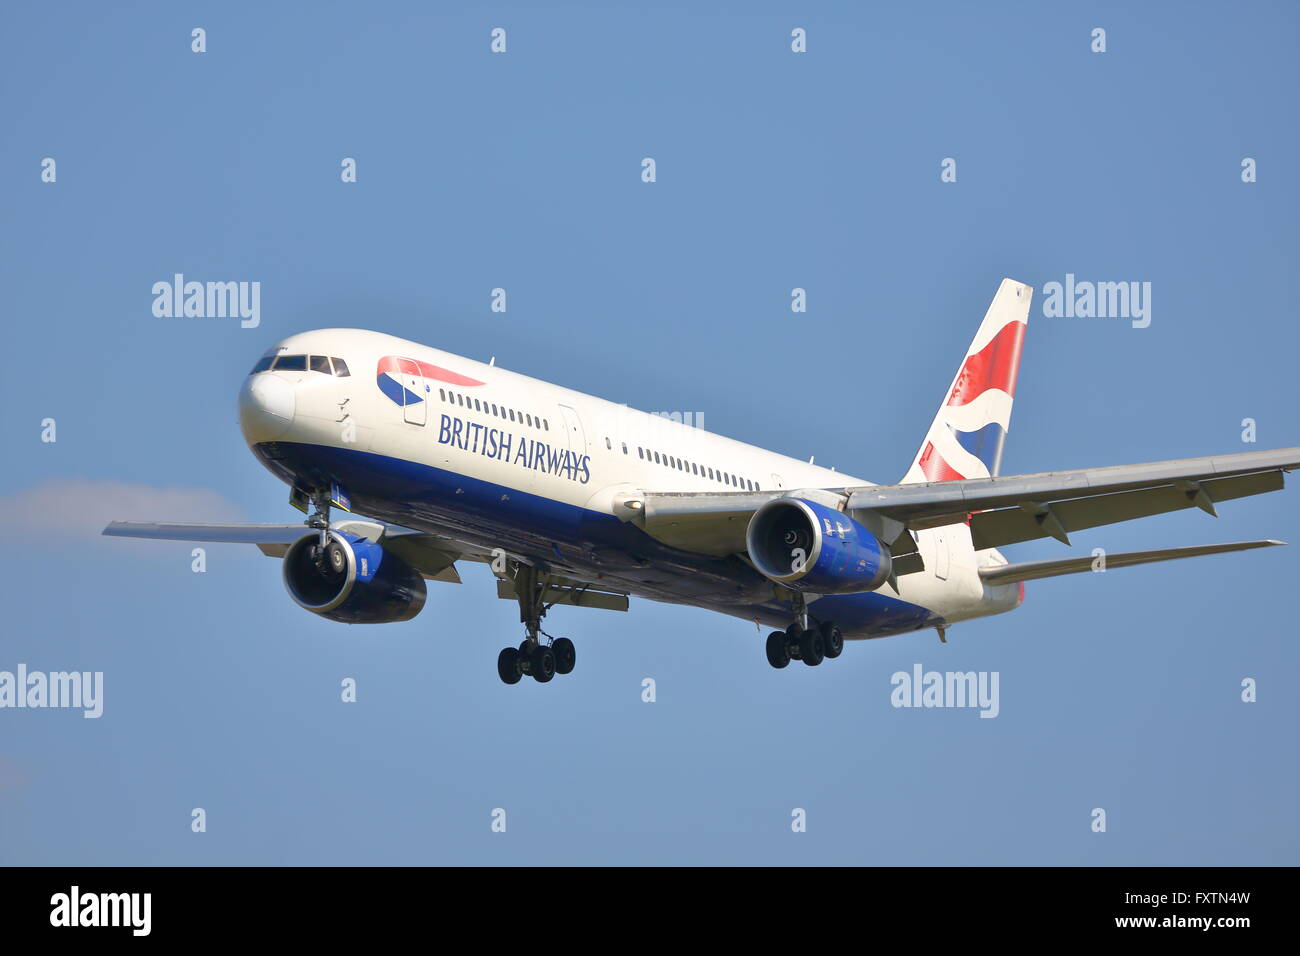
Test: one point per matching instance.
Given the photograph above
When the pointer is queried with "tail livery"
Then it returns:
(966, 438)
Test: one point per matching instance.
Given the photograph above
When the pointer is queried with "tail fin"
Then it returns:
(965, 440)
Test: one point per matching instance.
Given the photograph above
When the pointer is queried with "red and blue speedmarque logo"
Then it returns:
(406, 381)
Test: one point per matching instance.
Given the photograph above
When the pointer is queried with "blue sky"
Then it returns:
(775, 170)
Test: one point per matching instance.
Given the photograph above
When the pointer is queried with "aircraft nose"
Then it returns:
(266, 408)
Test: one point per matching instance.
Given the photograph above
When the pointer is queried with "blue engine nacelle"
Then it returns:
(810, 547)
(352, 580)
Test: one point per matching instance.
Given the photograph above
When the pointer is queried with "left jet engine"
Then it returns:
(353, 580)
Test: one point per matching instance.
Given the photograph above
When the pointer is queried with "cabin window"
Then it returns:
(625, 448)
(607, 444)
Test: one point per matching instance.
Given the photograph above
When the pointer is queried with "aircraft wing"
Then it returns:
(433, 557)
(1032, 570)
(1000, 511)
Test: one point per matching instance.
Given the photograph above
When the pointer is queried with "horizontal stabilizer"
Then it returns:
(1029, 570)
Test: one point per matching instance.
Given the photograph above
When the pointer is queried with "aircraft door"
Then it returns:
(576, 436)
(415, 392)
(941, 555)
(573, 432)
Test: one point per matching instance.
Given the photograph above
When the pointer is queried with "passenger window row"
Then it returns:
(489, 408)
(694, 468)
(301, 363)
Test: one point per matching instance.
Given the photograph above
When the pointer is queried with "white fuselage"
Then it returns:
(508, 433)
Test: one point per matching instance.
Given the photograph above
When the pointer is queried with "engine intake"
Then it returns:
(352, 580)
(810, 547)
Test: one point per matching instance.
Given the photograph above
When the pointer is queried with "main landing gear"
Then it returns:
(811, 645)
(804, 640)
(540, 661)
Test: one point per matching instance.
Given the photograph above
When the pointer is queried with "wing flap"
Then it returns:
(577, 596)
(1032, 570)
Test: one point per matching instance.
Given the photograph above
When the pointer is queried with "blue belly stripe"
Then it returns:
(590, 543)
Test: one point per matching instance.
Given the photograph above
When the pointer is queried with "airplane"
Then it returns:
(576, 501)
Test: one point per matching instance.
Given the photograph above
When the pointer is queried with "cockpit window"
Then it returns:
(291, 363)
(263, 364)
(320, 363)
(340, 368)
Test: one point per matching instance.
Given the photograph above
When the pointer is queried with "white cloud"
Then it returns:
(83, 507)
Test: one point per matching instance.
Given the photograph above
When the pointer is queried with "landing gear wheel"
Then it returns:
(566, 655)
(832, 640)
(336, 557)
(543, 663)
(778, 651)
(508, 666)
(811, 650)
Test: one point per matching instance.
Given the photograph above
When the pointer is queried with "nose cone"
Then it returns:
(266, 408)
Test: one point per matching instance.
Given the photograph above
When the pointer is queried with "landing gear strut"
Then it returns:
(319, 519)
(329, 557)
(804, 640)
(541, 661)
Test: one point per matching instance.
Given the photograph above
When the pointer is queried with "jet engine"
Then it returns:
(810, 547)
(352, 579)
